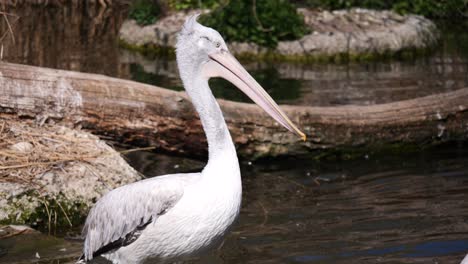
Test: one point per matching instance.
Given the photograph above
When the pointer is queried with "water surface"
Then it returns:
(385, 209)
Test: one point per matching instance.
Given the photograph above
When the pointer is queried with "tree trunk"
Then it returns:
(143, 115)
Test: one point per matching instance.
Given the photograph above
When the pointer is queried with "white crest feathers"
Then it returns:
(190, 24)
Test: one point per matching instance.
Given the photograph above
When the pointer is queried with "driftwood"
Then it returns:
(142, 115)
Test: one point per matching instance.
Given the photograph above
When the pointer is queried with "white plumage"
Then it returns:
(170, 217)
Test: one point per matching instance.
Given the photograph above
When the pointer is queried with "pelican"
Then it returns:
(171, 217)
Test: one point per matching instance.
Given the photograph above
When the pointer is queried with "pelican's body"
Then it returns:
(175, 216)
(197, 222)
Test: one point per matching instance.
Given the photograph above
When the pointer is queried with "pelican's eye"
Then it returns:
(218, 44)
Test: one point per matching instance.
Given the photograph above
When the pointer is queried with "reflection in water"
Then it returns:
(279, 88)
(332, 84)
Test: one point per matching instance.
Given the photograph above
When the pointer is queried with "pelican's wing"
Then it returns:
(119, 216)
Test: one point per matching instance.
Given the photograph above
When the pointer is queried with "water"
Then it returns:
(392, 208)
(386, 209)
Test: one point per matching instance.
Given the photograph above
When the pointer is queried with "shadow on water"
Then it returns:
(388, 209)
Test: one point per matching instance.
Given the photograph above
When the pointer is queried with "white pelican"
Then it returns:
(170, 217)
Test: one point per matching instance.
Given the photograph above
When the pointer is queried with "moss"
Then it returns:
(56, 213)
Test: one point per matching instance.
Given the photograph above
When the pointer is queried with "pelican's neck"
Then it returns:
(220, 143)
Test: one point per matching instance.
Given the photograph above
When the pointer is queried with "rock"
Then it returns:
(12, 230)
(355, 31)
(60, 176)
(290, 47)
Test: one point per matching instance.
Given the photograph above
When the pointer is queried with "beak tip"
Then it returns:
(303, 137)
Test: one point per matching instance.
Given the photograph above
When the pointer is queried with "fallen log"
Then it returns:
(143, 115)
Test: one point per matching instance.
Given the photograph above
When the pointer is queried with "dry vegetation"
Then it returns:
(28, 150)
(54, 172)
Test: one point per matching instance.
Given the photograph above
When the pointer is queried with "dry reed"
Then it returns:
(27, 150)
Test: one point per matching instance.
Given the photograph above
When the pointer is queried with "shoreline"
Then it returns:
(339, 36)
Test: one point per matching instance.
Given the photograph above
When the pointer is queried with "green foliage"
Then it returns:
(145, 12)
(191, 4)
(428, 8)
(264, 22)
(433, 8)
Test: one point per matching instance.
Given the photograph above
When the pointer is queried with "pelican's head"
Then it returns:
(195, 43)
(202, 51)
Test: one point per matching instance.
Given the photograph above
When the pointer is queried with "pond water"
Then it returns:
(393, 208)
(386, 209)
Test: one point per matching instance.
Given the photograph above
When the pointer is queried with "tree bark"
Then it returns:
(143, 115)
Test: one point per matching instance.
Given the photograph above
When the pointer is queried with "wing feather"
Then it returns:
(125, 209)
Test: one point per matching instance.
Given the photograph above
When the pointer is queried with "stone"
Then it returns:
(73, 185)
(354, 31)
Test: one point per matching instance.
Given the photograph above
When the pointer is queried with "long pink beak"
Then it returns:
(223, 64)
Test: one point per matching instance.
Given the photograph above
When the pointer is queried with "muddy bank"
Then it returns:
(50, 175)
(339, 35)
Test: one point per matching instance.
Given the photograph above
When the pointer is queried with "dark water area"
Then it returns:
(382, 209)
(394, 208)
(386, 209)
